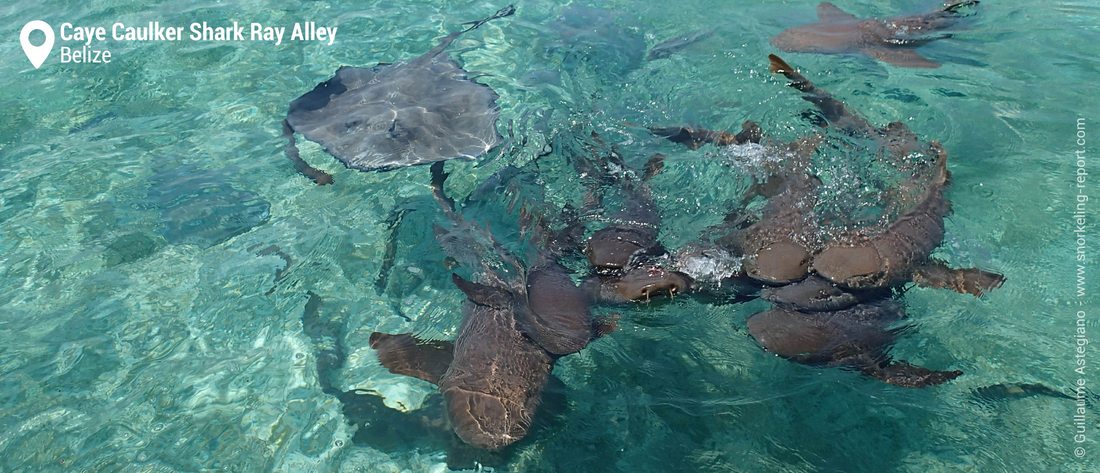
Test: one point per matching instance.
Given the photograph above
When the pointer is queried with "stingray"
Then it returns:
(396, 115)
(889, 40)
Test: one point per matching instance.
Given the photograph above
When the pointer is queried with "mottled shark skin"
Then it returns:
(776, 248)
(632, 232)
(858, 337)
(516, 323)
(891, 40)
(860, 260)
(626, 255)
(394, 115)
(874, 257)
(813, 294)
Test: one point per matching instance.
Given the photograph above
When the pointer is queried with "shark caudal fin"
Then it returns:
(778, 66)
(903, 374)
(409, 356)
(974, 281)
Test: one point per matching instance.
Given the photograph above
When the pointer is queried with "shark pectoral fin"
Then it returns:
(829, 13)
(901, 57)
(750, 133)
(406, 355)
(653, 166)
(910, 376)
(481, 294)
(606, 324)
(973, 281)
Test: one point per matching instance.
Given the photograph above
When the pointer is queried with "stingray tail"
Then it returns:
(503, 12)
(439, 176)
(316, 175)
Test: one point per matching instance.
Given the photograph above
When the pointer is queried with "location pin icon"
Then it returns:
(37, 54)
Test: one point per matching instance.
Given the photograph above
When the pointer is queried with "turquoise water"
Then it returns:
(156, 248)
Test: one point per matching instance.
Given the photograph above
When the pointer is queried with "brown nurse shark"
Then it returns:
(889, 40)
(516, 322)
(858, 338)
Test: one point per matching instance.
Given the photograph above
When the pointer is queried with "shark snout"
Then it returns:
(644, 283)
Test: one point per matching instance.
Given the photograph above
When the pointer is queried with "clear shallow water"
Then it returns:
(134, 342)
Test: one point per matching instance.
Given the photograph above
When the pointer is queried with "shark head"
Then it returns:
(614, 248)
(485, 420)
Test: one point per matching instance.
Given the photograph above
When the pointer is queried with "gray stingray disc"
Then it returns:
(399, 115)
(394, 115)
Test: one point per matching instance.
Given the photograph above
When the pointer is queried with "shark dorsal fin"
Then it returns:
(829, 13)
(481, 294)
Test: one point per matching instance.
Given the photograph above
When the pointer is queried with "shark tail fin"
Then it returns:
(910, 376)
(955, 7)
(778, 66)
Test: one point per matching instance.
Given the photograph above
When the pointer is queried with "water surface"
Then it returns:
(156, 248)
